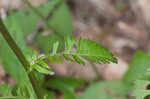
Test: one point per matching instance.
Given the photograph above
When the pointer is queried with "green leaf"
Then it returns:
(105, 90)
(62, 25)
(50, 40)
(55, 48)
(78, 60)
(65, 85)
(55, 59)
(68, 58)
(22, 18)
(94, 52)
(86, 49)
(140, 92)
(5, 90)
(138, 67)
(41, 61)
(21, 90)
(41, 69)
(69, 43)
(50, 95)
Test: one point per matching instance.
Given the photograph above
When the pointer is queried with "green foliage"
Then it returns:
(38, 64)
(136, 78)
(23, 18)
(60, 46)
(66, 85)
(138, 74)
(9, 60)
(86, 49)
(24, 22)
(138, 67)
(62, 25)
(106, 90)
(140, 91)
(94, 52)
(5, 90)
(18, 25)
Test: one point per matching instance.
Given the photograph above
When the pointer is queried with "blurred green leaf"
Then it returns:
(50, 40)
(26, 20)
(66, 85)
(62, 25)
(138, 67)
(5, 90)
(50, 95)
(105, 90)
(140, 92)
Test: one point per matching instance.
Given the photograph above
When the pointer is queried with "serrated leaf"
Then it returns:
(55, 59)
(68, 58)
(86, 49)
(94, 52)
(78, 60)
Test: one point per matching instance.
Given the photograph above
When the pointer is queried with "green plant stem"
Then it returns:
(42, 17)
(6, 35)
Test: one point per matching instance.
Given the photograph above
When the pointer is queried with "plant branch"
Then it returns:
(6, 35)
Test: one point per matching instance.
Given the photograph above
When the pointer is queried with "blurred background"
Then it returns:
(122, 26)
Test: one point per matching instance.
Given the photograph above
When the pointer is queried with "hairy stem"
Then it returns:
(6, 35)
